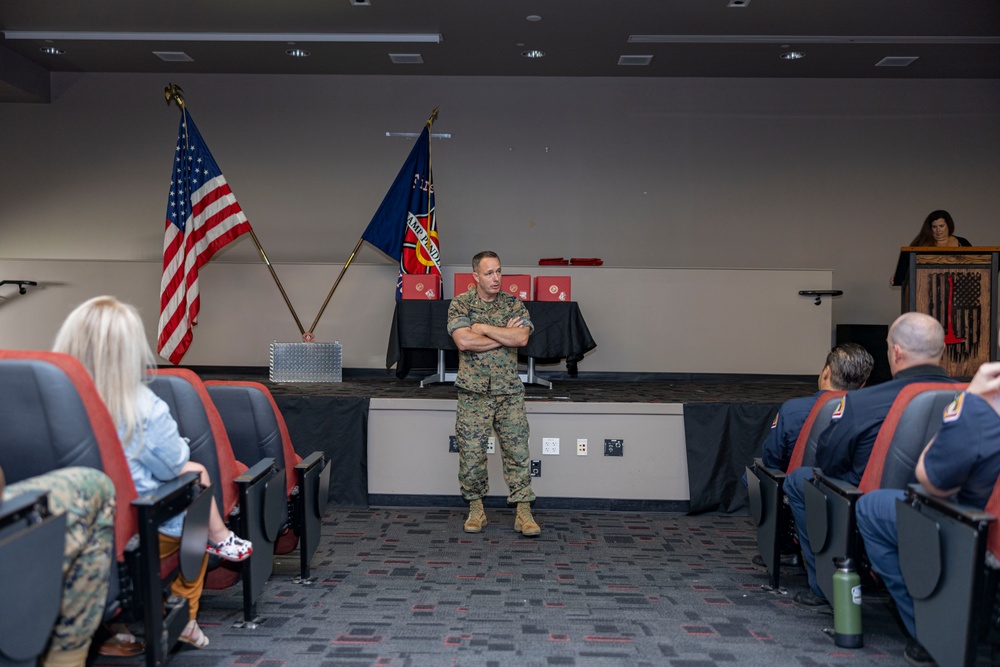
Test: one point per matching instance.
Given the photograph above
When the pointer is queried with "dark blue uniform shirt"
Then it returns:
(966, 451)
(777, 449)
(843, 449)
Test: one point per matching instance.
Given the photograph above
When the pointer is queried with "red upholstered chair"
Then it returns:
(914, 418)
(768, 506)
(53, 418)
(257, 430)
(251, 497)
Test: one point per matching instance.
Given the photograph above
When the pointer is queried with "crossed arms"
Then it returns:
(484, 337)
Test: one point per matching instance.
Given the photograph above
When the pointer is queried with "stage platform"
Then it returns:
(711, 426)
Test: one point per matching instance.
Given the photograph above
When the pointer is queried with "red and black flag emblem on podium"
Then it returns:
(955, 301)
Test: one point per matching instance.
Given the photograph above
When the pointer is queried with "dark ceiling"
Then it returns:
(685, 38)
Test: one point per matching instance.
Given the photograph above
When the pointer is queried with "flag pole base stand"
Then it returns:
(306, 362)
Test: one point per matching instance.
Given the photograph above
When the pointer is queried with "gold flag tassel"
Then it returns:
(174, 93)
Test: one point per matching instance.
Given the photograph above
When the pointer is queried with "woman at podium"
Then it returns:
(938, 230)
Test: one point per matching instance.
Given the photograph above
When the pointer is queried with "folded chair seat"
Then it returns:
(257, 430)
(250, 497)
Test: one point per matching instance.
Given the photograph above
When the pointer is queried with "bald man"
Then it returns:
(915, 347)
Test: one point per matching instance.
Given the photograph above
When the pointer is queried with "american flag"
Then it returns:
(202, 218)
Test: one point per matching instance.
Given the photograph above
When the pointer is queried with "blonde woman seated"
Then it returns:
(108, 337)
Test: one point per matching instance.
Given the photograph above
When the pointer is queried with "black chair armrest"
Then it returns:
(838, 486)
(964, 513)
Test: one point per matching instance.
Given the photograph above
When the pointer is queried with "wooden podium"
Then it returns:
(958, 287)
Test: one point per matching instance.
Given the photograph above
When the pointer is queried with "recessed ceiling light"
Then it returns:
(896, 61)
(534, 17)
(52, 51)
(173, 56)
(533, 53)
(406, 58)
(738, 3)
(634, 60)
(792, 55)
(297, 53)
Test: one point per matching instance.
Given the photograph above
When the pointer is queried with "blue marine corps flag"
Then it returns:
(404, 226)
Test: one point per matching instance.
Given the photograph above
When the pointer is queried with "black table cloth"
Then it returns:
(560, 332)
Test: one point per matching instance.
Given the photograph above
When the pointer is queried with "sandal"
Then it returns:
(232, 548)
(193, 635)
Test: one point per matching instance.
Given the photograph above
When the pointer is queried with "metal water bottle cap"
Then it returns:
(844, 564)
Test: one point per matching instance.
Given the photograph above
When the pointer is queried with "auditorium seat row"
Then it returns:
(949, 554)
(52, 418)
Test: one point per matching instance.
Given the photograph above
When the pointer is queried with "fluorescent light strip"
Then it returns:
(810, 39)
(414, 135)
(318, 37)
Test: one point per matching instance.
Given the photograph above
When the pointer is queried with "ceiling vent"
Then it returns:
(896, 61)
(406, 58)
(634, 60)
(173, 56)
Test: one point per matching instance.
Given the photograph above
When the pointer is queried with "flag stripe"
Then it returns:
(210, 218)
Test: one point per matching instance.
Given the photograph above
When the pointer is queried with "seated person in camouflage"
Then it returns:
(87, 498)
(488, 326)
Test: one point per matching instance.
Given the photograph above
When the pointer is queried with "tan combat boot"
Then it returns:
(477, 517)
(523, 523)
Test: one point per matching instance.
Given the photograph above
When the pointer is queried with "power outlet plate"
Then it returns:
(452, 444)
(536, 468)
(581, 447)
(614, 447)
(491, 445)
(550, 446)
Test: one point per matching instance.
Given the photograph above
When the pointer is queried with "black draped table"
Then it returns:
(560, 333)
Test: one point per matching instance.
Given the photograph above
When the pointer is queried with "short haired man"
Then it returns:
(488, 325)
(915, 347)
(847, 367)
(962, 460)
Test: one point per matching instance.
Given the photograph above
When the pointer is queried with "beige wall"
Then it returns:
(682, 173)
(653, 467)
(644, 320)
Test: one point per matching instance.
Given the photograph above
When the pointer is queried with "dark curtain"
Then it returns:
(721, 440)
(338, 427)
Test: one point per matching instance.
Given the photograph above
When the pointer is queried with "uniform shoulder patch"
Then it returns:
(839, 411)
(954, 409)
(774, 424)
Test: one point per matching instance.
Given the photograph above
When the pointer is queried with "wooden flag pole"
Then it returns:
(430, 123)
(175, 94)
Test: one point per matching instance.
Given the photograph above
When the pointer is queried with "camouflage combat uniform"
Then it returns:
(490, 398)
(87, 497)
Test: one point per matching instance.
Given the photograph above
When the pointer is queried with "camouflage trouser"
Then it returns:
(478, 416)
(87, 497)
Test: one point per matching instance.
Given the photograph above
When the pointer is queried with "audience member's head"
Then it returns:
(847, 367)
(480, 256)
(108, 338)
(915, 339)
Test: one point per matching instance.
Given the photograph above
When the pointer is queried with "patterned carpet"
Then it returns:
(405, 587)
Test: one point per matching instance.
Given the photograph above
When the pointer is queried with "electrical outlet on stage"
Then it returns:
(491, 445)
(452, 444)
(550, 446)
(581, 446)
(614, 447)
(536, 468)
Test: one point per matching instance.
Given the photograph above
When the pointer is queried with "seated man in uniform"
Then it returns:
(915, 348)
(963, 461)
(847, 367)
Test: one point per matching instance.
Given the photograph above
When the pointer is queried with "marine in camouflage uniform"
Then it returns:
(490, 393)
(87, 497)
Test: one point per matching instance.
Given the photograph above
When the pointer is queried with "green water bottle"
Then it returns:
(847, 605)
